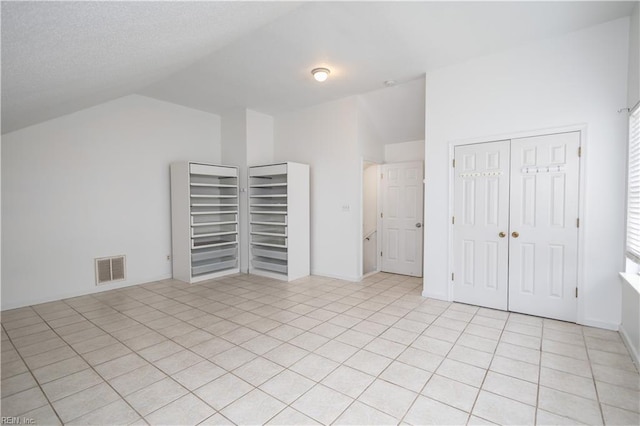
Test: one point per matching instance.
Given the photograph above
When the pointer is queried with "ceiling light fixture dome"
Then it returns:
(320, 74)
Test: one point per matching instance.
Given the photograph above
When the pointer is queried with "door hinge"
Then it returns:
(453, 220)
(576, 291)
(381, 215)
(380, 254)
(453, 164)
(579, 151)
(452, 276)
(381, 175)
(578, 223)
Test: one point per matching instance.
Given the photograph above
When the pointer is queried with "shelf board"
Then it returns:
(268, 205)
(214, 223)
(268, 234)
(267, 185)
(212, 196)
(268, 223)
(218, 244)
(213, 267)
(213, 261)
(214, 205)
(256, 243)
(214, 234)
(267, 212)
(213, 185)
(269, 196)
(216, 212)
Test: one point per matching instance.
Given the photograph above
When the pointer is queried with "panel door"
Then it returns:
(481, 223)
(402, 198)
(543, 246)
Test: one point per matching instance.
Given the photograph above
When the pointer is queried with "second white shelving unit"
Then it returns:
(279, 220)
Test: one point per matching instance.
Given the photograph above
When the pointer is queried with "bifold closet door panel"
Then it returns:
(481, 223)
(543, 240)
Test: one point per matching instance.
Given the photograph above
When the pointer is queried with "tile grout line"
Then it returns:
(593, 378)
(149, 362)
(228, 371)
(33, 377)
(90, 367)
(535, 417)
(303, 295)
(342, 363)
(484, 377)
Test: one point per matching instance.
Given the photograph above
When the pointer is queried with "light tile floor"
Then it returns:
(250, 350)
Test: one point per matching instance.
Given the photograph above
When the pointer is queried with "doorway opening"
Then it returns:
(370, 216)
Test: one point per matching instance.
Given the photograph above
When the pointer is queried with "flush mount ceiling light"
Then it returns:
(320, 74)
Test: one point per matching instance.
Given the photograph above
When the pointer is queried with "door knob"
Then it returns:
(418, 225)
(502, 235)
(515, 234)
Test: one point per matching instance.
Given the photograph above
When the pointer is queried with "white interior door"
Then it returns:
(481, 224)
(543, 246)
(402, 197)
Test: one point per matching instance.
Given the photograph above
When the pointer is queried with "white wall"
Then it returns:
(259, 138)
(394, 114)
(326, 137)
(247, 140)
(234, 153)
(404, 151)
(633, 92)
(91, 184)
(579, 78)
(370, 140)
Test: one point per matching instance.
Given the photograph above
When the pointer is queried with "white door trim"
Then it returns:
(582, 128)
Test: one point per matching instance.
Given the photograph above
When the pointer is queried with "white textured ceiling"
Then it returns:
(59, 57)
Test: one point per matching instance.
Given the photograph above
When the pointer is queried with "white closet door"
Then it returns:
(402, 195)
(543, 246)
(481, 223)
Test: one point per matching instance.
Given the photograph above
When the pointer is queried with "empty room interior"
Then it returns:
(300, 213)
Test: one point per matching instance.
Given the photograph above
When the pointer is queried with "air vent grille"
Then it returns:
(110, 269)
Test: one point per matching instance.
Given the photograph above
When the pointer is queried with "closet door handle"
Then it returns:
(514, 234)
(502, 235)
(418, 225)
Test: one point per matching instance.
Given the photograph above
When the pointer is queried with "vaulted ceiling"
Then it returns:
(60, 57)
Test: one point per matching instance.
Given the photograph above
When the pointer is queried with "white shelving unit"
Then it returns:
(279, 220)
(204, 221)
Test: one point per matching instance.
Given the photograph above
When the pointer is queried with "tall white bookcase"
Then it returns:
(204, 221)
(279, 221)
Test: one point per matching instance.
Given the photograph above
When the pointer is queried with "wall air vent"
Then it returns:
(110, 269)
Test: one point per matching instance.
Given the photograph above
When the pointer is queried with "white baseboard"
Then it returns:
(600, 324)
(437, 296)
(368, 274)
(68, 295)
(354, 279)
(632, 350)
